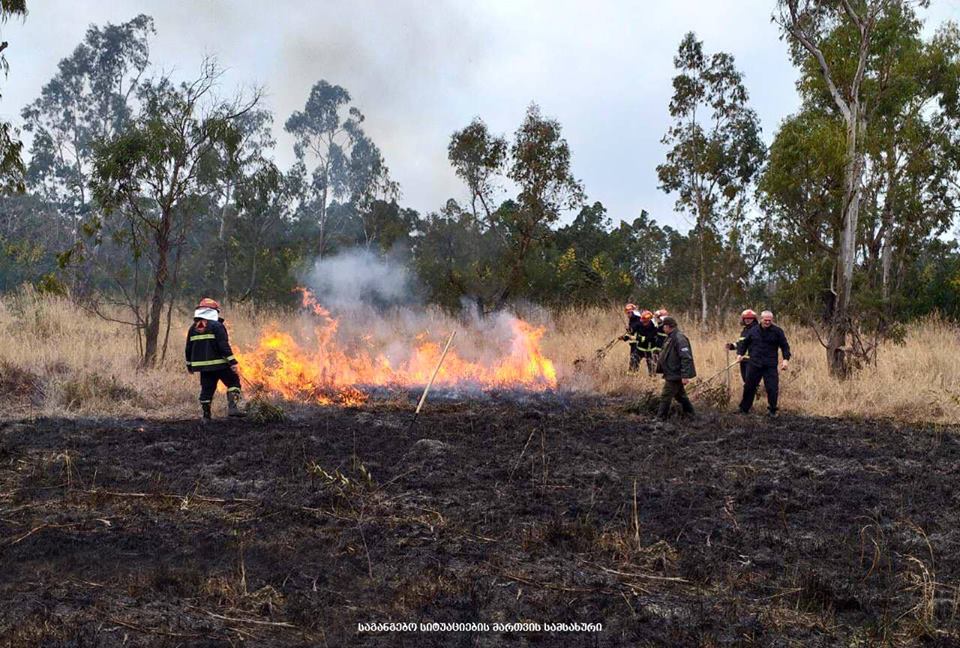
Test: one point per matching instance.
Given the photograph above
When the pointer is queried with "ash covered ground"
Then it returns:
(721, 531)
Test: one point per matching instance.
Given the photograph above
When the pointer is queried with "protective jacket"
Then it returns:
(743, 334)
(646, 335)
(676, 358)
(762, 345)
(649, 338)
(208, 346)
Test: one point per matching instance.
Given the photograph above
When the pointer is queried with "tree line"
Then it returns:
(139, 190)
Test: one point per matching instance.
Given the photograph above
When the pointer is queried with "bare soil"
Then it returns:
(722, 531)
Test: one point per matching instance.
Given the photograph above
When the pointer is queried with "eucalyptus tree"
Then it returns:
(150, 177)
(885, 97)
(335, 160)
(90, 98)
(715, 148)
(11, 165)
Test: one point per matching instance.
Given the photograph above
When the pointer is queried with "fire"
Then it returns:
(326, 372)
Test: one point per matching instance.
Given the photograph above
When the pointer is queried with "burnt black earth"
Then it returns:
(324, 529)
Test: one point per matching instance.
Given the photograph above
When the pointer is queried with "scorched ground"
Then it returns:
(724, 531)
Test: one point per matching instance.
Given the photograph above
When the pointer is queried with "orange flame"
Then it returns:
(328, 374)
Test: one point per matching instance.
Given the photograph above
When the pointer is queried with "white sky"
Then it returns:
(420, 70)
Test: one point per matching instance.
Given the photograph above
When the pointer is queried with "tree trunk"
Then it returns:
(152, 332)
(222, 236)
(840, 326)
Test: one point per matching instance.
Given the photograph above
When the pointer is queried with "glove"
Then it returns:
(235, 369)
(731, 346)
(625, 338)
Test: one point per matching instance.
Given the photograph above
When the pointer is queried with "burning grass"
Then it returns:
(58, 360)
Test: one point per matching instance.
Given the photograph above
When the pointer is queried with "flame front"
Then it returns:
(326, 373)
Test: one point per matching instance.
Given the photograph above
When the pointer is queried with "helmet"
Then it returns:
(206, 302)
(748, 314)
(629, 308)
(646, 315)
(663, 312)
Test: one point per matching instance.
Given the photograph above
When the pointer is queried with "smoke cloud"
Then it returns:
(359, 277)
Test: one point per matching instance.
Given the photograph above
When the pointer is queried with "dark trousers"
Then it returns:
(209, 380)
(743, 371)
(771, 383)
(634, 357)
(673, 389)
(637, 354)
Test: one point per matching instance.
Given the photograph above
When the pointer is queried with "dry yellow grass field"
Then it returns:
(56, 360)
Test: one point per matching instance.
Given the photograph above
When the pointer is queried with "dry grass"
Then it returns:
(57, 360)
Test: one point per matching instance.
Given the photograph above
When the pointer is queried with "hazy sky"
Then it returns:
(421, 69)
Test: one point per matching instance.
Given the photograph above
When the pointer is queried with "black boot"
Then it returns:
(233, 404)
(206, 413)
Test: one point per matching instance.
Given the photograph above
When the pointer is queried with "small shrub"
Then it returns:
(262, 411)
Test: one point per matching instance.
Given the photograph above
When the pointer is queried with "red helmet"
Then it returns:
(206, 302)
(629, 308)
(748, 314)
(646, 315)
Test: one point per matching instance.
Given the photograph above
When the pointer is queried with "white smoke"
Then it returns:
(359, 277)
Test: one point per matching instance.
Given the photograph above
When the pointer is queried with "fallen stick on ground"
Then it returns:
(426, 390)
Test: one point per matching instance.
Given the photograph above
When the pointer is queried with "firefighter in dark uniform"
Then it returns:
(648, 336)
(748, 320)
(208, 352)
(760, 349)
(633, 328)
(676, 365)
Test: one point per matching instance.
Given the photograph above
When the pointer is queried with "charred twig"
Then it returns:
(154, 631)
(520, 458)
(41, 528)
(274, 624)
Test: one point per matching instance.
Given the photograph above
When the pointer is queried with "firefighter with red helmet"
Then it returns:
(208, 352)
(649, 337)
(748, 320)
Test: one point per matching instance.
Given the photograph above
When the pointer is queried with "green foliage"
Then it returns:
(715, 154)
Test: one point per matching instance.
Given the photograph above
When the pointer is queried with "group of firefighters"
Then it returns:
(655, 338)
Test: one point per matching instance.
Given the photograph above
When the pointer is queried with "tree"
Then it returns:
(11, 166)
(345, 162)
(861, 65)
(151, 174)
(233, 169)
(88, 100)
(541, 168)
(715, 148)
(477, 158)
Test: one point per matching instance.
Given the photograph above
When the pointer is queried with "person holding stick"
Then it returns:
(676, 365)
(760, 349)
(748, 320)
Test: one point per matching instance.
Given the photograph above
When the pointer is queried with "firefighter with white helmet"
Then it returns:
(208, 352)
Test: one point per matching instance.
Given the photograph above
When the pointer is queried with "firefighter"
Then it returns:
(759, 350)
(208, 352)
(632, 335)
(649, 336)
(676, 365)
(748, 320)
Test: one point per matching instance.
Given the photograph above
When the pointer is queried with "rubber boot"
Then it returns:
(233, 404)
(206, 413)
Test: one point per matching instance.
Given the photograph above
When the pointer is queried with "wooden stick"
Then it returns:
(426, 390)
